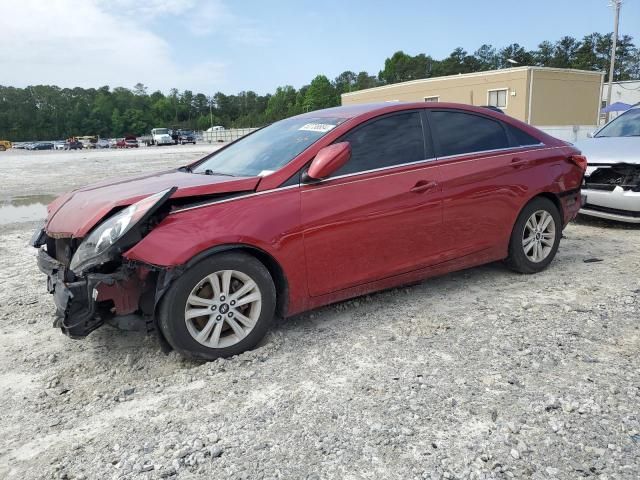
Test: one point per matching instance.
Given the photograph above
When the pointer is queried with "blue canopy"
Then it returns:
(616, 107)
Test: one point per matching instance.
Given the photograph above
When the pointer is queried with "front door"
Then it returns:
(378, 216)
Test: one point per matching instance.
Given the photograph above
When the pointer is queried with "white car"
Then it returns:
(612, 179)
(215, 129)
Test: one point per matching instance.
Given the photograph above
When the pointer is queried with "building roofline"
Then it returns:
(471, 75)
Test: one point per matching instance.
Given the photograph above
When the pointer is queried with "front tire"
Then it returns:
(220, 307)
(535, 237)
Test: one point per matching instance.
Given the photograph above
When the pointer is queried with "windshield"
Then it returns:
(161, 131)
(625, 125)
(186, 132)
(269, 148)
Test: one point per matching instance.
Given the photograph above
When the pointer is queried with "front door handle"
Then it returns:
(424, 186)
(518, 162)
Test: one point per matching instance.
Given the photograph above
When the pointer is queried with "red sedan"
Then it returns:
(308, 211)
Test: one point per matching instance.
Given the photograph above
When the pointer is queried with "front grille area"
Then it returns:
(622, 175)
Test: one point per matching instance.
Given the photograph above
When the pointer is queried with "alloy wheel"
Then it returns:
(539, 236)
(223, 308)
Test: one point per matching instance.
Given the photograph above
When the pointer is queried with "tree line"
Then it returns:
(51, 112)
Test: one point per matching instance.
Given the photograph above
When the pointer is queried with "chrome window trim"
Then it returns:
(389, 167)
(429, 160)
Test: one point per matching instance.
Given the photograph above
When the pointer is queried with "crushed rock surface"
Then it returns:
(478, 374)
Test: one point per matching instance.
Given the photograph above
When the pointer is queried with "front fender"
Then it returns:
(267, 222)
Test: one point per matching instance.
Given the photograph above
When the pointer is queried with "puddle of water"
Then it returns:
(27, 208)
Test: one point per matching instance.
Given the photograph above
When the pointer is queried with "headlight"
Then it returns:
(104, 242)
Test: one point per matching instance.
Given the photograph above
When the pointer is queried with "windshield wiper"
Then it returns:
(211, 172)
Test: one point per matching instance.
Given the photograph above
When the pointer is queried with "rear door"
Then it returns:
(484, 174)
(380, 214)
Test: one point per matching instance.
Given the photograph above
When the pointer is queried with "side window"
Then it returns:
(391, 140)
(457, 133)
(522, 138)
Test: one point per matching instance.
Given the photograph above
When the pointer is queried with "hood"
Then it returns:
(75, 213)
(610, 149)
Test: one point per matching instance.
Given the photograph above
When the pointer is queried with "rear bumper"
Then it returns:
(618, 204)
(571, 202)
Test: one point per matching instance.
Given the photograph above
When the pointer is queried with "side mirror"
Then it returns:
(328, 160)
(590, 135)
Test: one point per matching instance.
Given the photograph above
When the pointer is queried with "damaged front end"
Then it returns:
(89, 280)
(613, 191)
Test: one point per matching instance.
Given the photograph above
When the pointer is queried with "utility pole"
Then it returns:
(614, 41)
(210, 112)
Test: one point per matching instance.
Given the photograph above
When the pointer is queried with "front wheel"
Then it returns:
(220, 307)
(535, 237)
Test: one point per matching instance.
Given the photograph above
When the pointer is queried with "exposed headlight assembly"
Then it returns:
(112, 236)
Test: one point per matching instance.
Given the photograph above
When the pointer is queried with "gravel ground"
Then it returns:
(478, 374)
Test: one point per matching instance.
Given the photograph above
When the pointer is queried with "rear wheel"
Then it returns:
(220, 307)
(2, 148)
(535, 237)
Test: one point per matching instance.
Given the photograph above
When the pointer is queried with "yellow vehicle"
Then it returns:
(4, 145)
(88, 141)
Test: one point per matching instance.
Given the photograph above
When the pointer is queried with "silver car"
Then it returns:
(612, 180)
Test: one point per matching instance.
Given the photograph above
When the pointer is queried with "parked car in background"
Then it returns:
(127, 142)
(159, 136)
(308, 211)
(103, 143)
(186, 136)
(41, 146)
(88, 141)
(612, 180)
(4, 145)
(215, 128)
(72, 144)
(59, 145)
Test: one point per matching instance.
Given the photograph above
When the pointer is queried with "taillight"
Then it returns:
(580, 161)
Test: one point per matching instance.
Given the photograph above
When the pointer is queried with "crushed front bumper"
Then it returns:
(618, 204)
(83, 304)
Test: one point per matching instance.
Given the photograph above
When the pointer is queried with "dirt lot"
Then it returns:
(478, 374)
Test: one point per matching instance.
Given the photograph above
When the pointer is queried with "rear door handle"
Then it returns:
(424, 186)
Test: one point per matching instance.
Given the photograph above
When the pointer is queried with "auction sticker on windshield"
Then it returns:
(317, 127)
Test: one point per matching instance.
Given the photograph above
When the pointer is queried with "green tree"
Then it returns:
(321, 94)
(401, 67)
(486, 57)
(514, 52)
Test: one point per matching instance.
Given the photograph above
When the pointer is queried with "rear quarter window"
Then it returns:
(522, 138)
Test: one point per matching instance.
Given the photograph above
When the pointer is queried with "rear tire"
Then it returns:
(220, 307)
(535, 237)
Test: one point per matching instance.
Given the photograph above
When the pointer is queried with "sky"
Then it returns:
(221, 45)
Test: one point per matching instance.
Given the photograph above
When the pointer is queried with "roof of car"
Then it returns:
(352, 111)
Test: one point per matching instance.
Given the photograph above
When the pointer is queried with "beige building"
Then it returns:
(536, 95)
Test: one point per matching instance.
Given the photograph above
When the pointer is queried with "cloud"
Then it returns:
(90, 43)
(214, 18)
